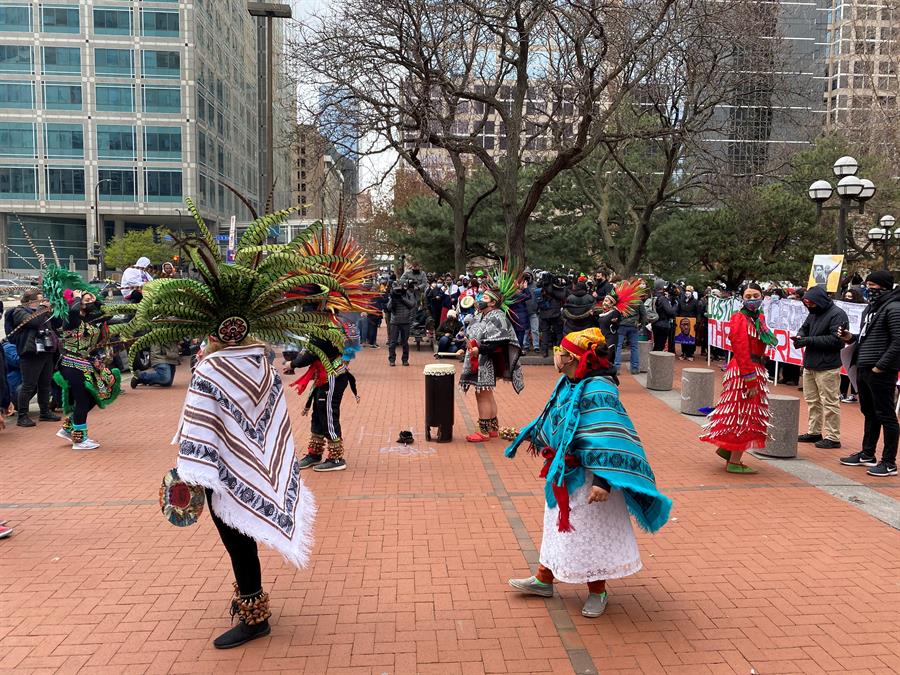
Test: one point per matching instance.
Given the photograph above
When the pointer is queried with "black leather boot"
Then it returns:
(253, 614)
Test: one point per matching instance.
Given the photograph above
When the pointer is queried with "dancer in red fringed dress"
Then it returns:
(740, 421)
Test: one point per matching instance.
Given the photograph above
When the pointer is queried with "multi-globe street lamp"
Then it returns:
(881, 235)
(851, 190)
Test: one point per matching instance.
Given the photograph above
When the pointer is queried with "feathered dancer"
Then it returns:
(629, 296)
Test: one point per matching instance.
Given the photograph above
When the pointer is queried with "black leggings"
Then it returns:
(326, 412)
(242, 549)
(80, 397)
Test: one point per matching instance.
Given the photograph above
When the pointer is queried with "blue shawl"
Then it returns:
(586, 419)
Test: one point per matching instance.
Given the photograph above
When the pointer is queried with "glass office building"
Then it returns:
(122, 108)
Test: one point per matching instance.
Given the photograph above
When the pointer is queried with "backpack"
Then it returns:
(650, 310)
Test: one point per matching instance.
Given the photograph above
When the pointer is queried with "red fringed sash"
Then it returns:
(316, 373)
(560, 492)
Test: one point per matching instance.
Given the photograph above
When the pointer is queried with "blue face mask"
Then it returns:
(753, 305)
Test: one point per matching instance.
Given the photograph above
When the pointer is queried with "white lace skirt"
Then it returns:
(602, 546)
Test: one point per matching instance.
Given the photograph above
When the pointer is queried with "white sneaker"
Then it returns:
(63, 433)
(86, 444)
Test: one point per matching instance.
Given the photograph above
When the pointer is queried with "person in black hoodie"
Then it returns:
(666, 309)
(877, 359)
(818, 336)
(550, 303)
(578, 312)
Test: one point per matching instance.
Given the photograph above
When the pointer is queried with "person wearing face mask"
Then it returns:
(818, 337)
(596, 473)
(877, 359)
(415, 280)
(492, 353)
(34, 336)
(83, 375)
(740, 420)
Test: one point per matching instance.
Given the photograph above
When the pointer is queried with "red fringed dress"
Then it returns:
(741, 422)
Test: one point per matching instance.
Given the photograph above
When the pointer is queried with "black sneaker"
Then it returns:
(310, 460)
(134, 382)
(25, 421)
(828, 444)
(406, 363)
(809, 438)
(49, 417)
(883, 469)
(391, 364)
(331, 465)
(859, 459)
(241, 634)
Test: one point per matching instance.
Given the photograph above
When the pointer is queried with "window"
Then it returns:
(60, 20)
(161, 24)
(162, 142)
(64, 140)
(112, 21)
(62, 60)
(201, 147)
(115, 141)
(119, 185)
(17, 139)
(115, 99)
(62, 96)
(114, 61)
(17, 95)
(162, 99)
(65, 184)
(162, 64)
(162, 186)
(18, 182)
(15, 59)
(15, 18)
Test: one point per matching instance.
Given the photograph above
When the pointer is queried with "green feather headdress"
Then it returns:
(55, 281)
(276, 293)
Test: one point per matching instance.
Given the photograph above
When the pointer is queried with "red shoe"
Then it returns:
(494, 434)
(477, 437)
(5, 532)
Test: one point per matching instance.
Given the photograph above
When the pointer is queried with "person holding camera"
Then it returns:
(402, 307)
(35, 339)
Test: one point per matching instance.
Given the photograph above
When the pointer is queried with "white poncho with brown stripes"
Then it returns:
(235, 438)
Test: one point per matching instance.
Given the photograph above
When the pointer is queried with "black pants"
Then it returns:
(372, 326)
(326, 408)
(81, 398)
(551, 333)
(398, 334)
(687, 351)
(36, 369)
(660, 338)
(243, 552)
(876, 402)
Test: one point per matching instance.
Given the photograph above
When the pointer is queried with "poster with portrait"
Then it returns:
(686, 330)
(826, 271)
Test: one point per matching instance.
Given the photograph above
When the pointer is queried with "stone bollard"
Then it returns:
(662, 371)
(784, 420)
(698, 390)
(644, 348)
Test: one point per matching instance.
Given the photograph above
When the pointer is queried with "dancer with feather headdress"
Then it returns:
(493, 352)
(234, 437)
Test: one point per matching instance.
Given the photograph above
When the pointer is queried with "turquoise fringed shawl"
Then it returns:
(586, 419)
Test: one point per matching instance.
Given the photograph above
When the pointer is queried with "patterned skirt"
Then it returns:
(739, 422)
(602, 544)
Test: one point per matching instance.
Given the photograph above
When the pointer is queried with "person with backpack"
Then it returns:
(665, 311)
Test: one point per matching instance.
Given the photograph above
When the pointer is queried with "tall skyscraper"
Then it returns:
(112, 111)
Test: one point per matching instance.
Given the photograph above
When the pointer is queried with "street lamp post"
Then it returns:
(882, 234)
(850, 189)
(98, 245)
(267, 11)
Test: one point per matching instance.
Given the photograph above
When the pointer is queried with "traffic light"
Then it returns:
(95, 250)
(155, 236)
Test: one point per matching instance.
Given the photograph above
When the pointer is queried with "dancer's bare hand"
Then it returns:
(598, 494)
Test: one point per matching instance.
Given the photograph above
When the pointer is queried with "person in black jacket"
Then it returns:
(818, 336)
(578, 312)
(35, 339)
(688, 307)
(550, 302)
(666, 309)
(402, 307)
(877, 359)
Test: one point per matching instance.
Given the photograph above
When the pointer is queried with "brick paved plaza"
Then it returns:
(765, 573)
